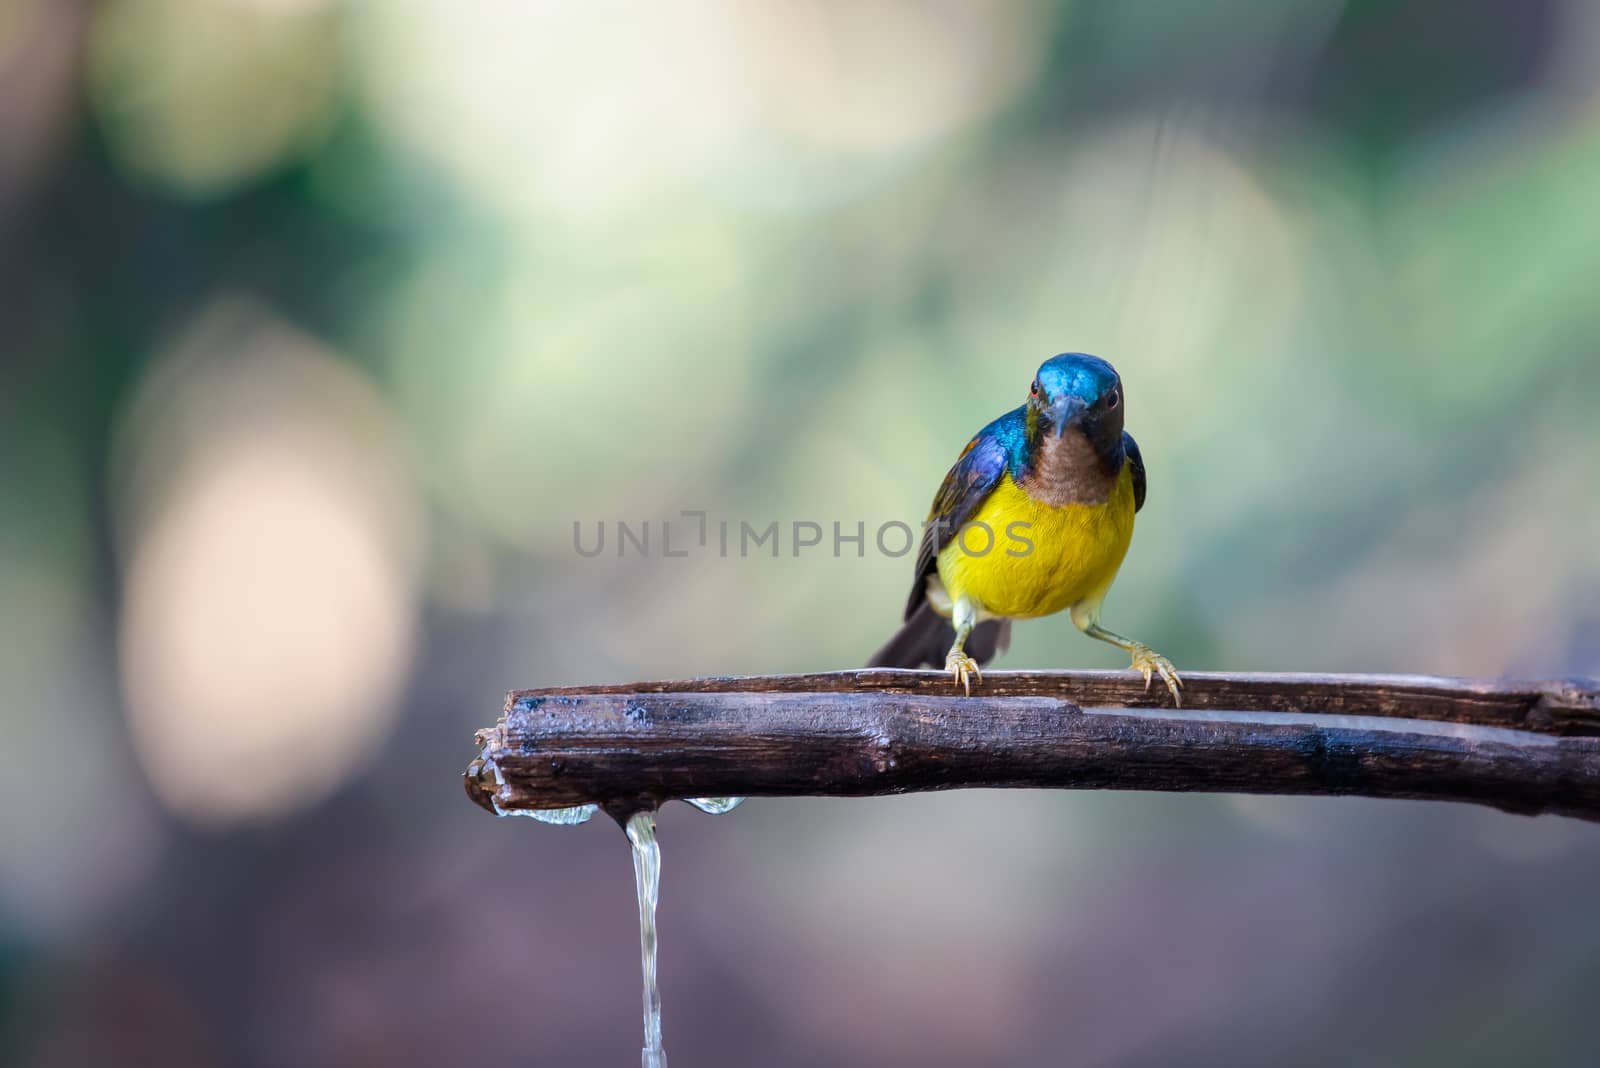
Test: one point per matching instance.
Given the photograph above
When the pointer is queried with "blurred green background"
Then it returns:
(322, 323)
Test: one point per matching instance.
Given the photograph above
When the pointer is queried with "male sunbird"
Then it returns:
(1035, 517)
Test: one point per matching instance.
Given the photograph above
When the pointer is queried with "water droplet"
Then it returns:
(647, 880)
(561, 817)
(715, 805)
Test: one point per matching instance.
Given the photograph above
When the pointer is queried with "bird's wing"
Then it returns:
(976, 473)
(1131, 447)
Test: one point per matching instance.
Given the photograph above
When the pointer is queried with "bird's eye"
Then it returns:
(1112, 399)
(1034, 389)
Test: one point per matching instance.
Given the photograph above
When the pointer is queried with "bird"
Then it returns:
(1034, 518)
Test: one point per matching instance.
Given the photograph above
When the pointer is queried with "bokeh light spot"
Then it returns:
(199, 98)
(269, 595)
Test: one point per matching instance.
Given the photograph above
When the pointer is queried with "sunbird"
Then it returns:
(1035, 517)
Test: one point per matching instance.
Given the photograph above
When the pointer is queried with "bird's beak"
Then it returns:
(1062, 410)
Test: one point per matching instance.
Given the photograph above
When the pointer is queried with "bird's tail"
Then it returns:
(927, 636)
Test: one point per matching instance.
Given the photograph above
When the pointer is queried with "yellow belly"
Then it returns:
(1076, 550)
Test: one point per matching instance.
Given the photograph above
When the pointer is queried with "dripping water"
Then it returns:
(647, 880)
(641, 828)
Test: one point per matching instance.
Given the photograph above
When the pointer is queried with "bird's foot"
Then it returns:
(1148, 663)
(963, 669)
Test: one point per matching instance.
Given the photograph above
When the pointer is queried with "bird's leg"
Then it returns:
(1146, 660)
(962, 668)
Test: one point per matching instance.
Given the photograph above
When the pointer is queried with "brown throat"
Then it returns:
(1067, 470)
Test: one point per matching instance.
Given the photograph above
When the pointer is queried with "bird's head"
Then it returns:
(1081, 391)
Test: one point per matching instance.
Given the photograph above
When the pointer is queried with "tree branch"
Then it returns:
(1521, 747)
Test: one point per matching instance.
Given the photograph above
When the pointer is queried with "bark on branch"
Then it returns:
(1522, 747)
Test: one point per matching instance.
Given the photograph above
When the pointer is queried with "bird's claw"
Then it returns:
(1149, 663)
(963, 669)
